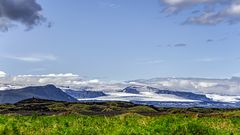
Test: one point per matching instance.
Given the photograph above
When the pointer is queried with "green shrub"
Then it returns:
(142, 109)
(57, 107)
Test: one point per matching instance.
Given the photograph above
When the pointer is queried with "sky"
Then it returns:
(121, 39)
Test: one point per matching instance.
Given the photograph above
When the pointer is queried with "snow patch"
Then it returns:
(143, 96)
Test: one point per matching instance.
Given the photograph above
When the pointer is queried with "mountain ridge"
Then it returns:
(49, 92)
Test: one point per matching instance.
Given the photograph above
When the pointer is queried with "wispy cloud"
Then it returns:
(209, 40)
(33, 58)
(151, 61)
(211, 13)
(38, 69)
(108, 4)
(208, 59)
(174, 45)
(180, 45)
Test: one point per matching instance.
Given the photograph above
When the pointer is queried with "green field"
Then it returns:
(45, 117)
(118, 125)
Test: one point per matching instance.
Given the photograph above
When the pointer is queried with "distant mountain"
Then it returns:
(49, 92)
(84, 93)
(132, 90)
(186, 95)
(137, 89)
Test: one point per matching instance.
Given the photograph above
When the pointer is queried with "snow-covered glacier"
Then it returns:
(167, 98)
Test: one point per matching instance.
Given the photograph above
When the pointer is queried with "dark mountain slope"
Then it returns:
(132, 90)
(85, 94)
(187, 95)
(49, 92)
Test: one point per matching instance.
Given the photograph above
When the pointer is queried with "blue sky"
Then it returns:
(125, 39)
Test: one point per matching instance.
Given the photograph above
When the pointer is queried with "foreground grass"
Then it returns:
(119, 125)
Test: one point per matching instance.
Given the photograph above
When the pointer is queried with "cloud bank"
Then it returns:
(63, 80)
(199, 85)
(206, 12)
(26, 12)
(229, 87)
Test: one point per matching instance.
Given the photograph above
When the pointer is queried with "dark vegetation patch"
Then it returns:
(47, 107)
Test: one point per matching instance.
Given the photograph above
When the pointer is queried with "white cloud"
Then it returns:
(33, 58)
(234, 9)
(206, 84)
(60, 75)
(2, 74)
(86, 82)
(94, 81)
(57, 79)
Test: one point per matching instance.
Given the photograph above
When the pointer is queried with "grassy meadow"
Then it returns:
(124, 124)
